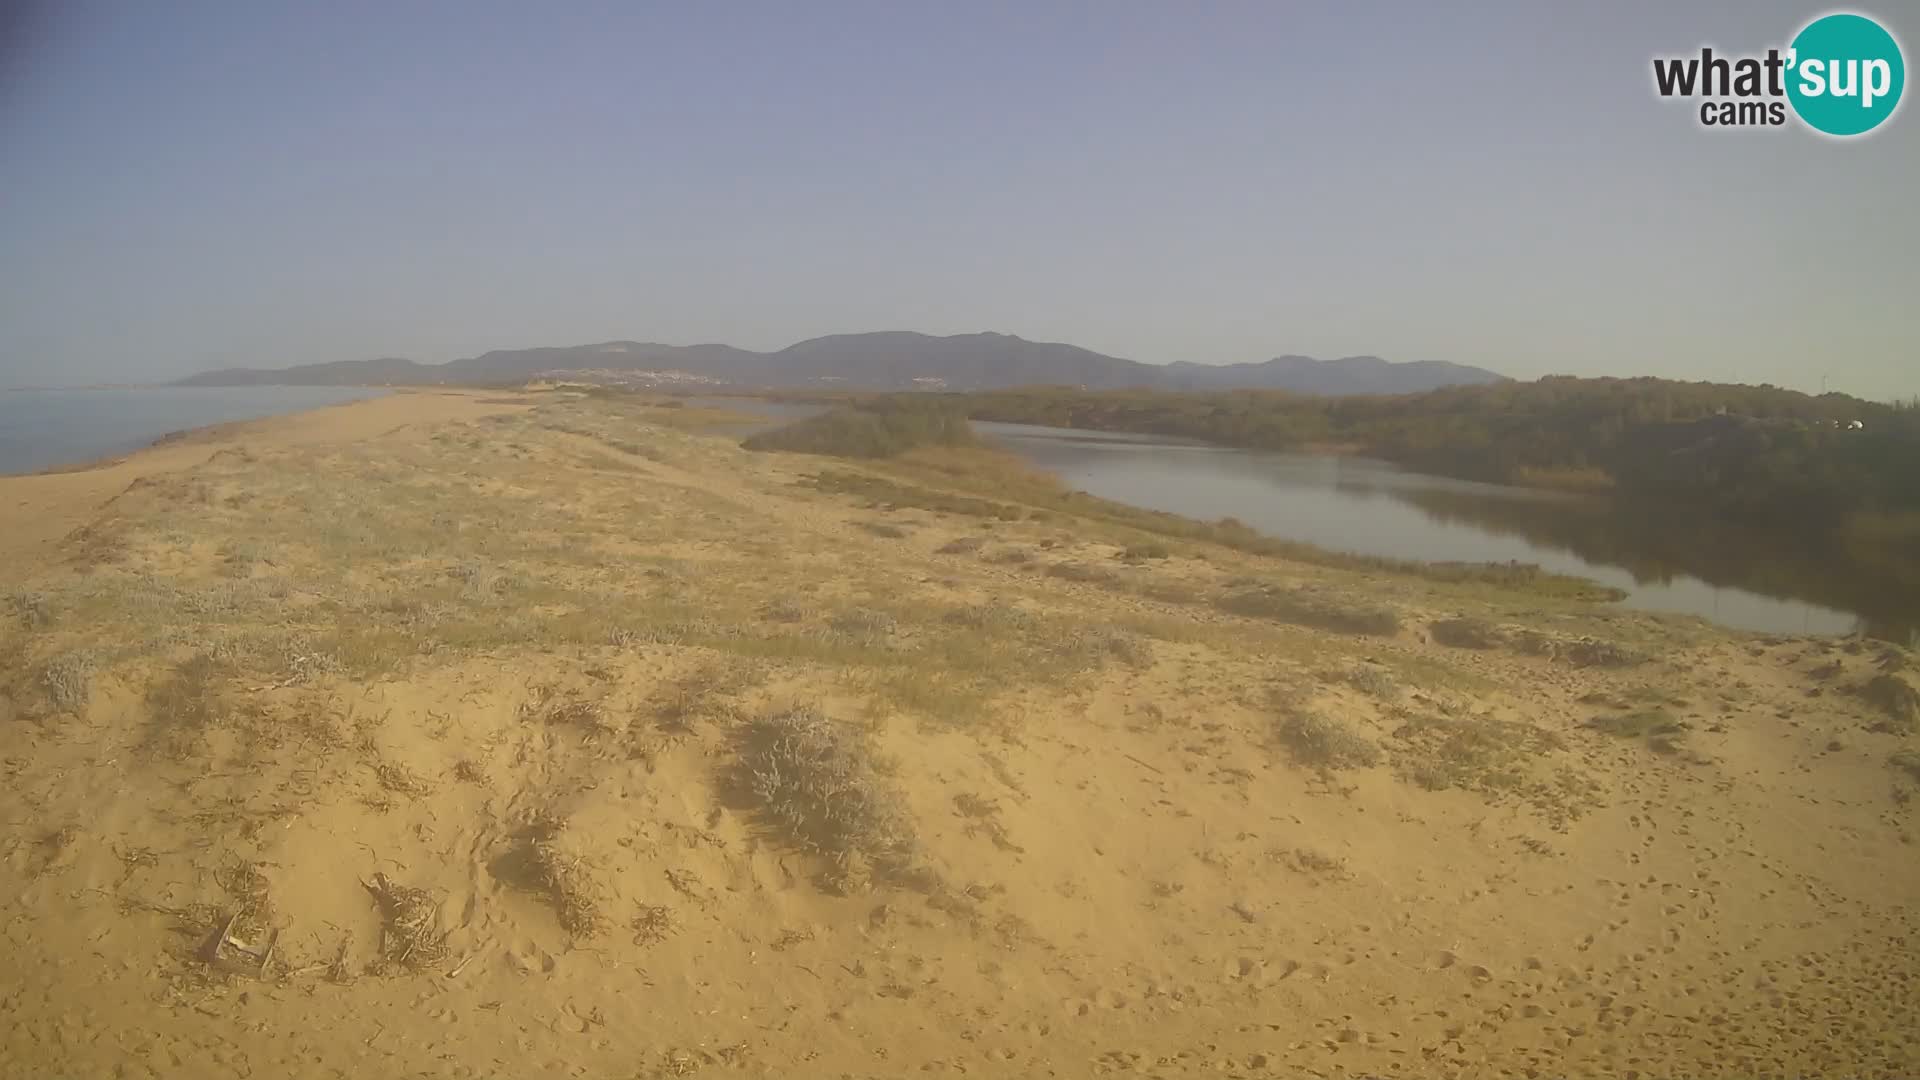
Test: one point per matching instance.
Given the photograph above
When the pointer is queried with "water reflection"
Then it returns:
(1661, 559)
(1664, 559)
(1664, 546)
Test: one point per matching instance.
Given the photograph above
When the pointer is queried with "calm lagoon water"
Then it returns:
(1663, 560)
(1376, 508)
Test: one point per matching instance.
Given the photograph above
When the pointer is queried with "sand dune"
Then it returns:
(451, 736)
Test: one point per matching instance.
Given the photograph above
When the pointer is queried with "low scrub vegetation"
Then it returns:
(1895, 697)
(33, 609)
(1659, 729)
(1310, 608)
(1095, 644)
(1467, 633)
(1371, 681)
(882, 492)
(878, 430)
(67, 680)
(965, 545)
(1074, 571)
(919, 475)
(817, 783)
(1474, 753)
(1322, 741)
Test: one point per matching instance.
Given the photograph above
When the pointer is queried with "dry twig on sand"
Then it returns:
(409, 923)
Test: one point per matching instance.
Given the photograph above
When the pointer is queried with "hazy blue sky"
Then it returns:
(193, 184)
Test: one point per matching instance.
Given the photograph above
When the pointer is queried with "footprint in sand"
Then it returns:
(531, 959)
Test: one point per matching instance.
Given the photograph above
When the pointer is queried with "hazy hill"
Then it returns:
(891, 360)
(1348, 375)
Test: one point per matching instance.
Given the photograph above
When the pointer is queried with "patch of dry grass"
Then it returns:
(1076, 571)
(1095, 644)
(1466, 632)
(995, 615)
(1316, 739)
(181, 705)
(883, 493)
(1895, 697)
(1474, 753)
(1594, 652)
(1313, 608)
(817, 784)
(916, 477)
(864, 627)
(1369, 680)
(1659, 729)
(34, 609)
(67, 679)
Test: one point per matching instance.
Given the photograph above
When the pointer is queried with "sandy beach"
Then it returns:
(485, 734)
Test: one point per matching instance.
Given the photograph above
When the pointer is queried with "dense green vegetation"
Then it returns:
(880, 428)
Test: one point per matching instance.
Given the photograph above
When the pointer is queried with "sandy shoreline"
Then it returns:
(446, 734)
(47, 505)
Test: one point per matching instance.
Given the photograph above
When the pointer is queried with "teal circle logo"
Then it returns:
(1845, 74)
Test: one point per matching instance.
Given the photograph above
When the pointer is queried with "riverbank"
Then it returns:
(507, 738)
(1358, 512)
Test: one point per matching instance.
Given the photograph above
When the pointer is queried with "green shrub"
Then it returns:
(882, 429)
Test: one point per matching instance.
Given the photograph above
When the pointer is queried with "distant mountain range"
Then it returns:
(893, 360)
